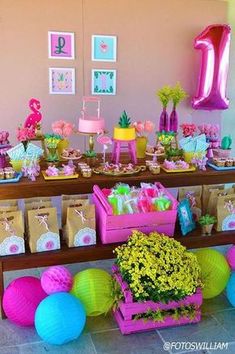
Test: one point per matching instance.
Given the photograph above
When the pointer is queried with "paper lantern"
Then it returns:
(230, 256)
(215, 272)
(21, 299)
(230, 289)
(56, 279)
(60, 318)
(94, 288)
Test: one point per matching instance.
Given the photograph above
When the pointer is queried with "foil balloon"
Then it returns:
(214, 42)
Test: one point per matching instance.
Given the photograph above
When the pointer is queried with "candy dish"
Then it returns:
(118, 169)
(71, 154)
(155, 151)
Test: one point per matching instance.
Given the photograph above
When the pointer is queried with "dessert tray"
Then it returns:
(220, 168)
(119, 170)
(177, 166)
(59, 177)
(16, 179)
(190, 169)
(71, 154)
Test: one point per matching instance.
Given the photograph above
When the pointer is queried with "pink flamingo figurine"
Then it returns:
(105, 141)
(34, 118)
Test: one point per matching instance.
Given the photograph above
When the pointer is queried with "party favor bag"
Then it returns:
(226, 213)
(213, 199)
(43, 230)
(206, 190)
(9, 203)
(75, 200)
(11, 233)
(80, 226)
(194, 195)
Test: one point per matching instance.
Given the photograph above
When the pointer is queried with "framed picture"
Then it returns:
(103, 48)
(62, 81)
(61, 45)
(187, 224)
(103, 82)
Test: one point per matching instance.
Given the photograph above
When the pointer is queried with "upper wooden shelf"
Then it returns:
(26, 188)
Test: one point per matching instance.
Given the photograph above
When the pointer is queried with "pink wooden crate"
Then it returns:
(117, 228)
(128, 308)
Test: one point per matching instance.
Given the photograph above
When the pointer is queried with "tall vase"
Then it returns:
(63, 144)
(52, 154)
(174, 121)
(163, 122)
(141, 145)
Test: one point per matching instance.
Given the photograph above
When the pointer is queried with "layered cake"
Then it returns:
(124, 131)
(90, 123)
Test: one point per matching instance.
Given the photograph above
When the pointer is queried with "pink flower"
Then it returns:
(188, 129)
(62, 128)
(24, 134)
(148, 126)
(139, 126)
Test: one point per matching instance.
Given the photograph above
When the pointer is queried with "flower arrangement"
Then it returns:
(207, 220)
(158, 268)
(24, 134)
(143, 128)
(210, 130)
(178, 94)
(4, 135)
(165, 138)
(62, 128)
(164, 95)
(174, 154)
(90, 153)
(52, 140)
(188, 129)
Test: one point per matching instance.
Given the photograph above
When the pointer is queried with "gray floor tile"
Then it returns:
(218, 303)
(82, 345)
(111, 342)
(208, 330)
(100, 323)
(11, 335)
(227, 321)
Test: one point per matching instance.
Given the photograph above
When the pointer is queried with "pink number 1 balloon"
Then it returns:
(214, 43)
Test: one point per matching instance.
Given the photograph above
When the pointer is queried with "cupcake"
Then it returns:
(229, 163)
(220, 162)
(9, 173)
(2, 176)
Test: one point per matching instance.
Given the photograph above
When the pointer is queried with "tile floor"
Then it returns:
(101, 335)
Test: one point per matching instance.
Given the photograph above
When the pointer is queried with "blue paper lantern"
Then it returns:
(60, 318)
(230, 289)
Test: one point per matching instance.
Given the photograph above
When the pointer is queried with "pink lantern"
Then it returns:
(214, 43)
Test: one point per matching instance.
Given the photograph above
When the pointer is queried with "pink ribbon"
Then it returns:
(43, 220)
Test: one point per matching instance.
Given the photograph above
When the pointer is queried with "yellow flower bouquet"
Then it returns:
(158, 268)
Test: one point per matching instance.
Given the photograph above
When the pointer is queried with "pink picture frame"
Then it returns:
(61, 45)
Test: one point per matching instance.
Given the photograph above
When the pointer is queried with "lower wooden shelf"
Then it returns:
(98, 252)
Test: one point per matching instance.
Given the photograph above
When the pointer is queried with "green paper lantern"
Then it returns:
(215, 272)
(93, 287)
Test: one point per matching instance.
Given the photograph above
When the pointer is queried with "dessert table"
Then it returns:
(26, 189)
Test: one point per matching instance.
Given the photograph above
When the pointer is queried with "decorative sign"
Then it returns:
(103, 82)
(214, 43)
(62, 81)
(104, 48)
(61, 45)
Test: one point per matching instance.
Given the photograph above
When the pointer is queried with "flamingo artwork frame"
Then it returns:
(103, 48)
(103, 81)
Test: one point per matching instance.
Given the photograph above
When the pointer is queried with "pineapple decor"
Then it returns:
(124, 131)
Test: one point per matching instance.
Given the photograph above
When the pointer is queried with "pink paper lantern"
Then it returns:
(230, 256)
(21, 299)
(56, 279)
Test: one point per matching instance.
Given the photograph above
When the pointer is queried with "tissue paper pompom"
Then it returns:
(56, 279)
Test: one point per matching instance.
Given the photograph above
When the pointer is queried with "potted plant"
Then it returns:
(142, 130)
(124, 131)
(157, 290)
(225, 149)
(177, 95)
(164, 95)
(90, 157)
(207, 222)
(174, 154)
(51, 142)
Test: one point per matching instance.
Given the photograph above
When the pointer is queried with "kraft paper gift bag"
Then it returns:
(43, 230)
(75, 200)
(206, 190)
(226, 213)
(9, 203)
(12, 233)
(213, 199)
(80, 226)
(6, 209)
(194, 195)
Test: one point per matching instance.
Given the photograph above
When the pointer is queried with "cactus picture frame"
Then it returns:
(103, 82)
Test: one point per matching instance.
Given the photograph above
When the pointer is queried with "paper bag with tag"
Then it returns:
(12, 233)
(206, 190)
(76, 200)
(226, 213)
(213, 199)
(80, 226)
(194, 195)
(43, 230)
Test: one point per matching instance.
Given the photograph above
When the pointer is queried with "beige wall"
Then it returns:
(154, 48)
